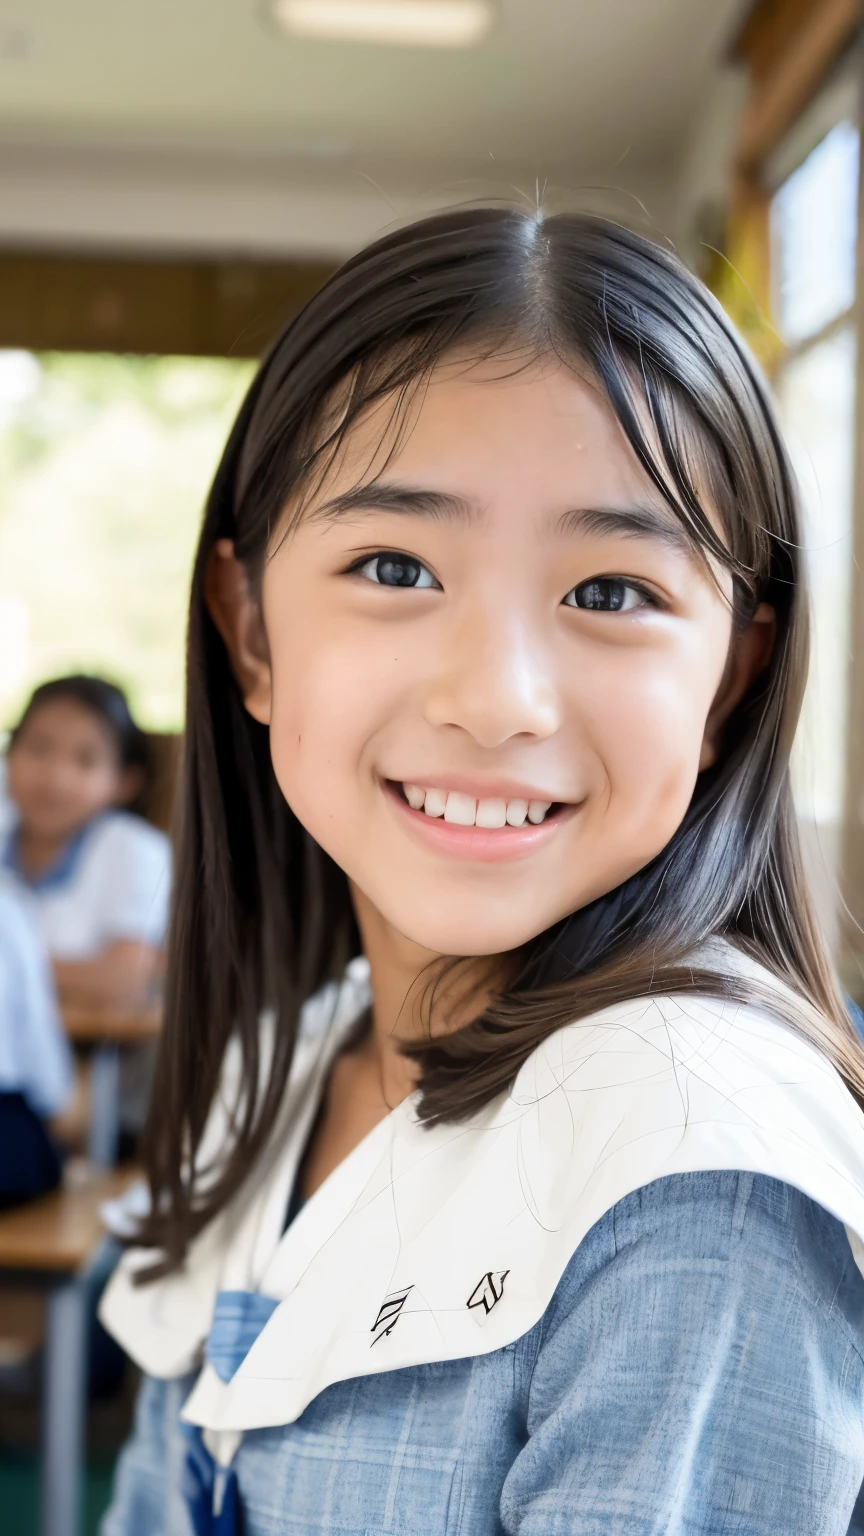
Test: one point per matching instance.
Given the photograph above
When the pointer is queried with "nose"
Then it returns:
(495, 680)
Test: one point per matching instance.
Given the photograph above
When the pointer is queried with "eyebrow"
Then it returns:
(638, 522)
(409, 500)
(643, 522)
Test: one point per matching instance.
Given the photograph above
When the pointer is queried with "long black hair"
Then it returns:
(262, 916)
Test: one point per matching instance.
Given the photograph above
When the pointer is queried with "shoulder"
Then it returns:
(684, 1084)
(120, 848)
(703, 1354)
(710, 1044)
(120, 833)
(122, 884)
(737, 1271)
(767, 1232)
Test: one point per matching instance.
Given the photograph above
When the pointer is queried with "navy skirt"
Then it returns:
(29, 1161)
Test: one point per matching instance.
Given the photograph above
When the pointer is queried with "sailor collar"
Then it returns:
(437, 1243)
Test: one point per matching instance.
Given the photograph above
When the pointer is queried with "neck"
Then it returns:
(407, 1004)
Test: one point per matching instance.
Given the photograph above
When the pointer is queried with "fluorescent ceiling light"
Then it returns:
(430, 23)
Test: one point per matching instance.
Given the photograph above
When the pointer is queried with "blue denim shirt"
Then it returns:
(700, 1369)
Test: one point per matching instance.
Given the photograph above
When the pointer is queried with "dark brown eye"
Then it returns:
(391, 569)
(605, 594)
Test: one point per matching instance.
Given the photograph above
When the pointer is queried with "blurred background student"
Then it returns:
(95, 874)
(35, 1060)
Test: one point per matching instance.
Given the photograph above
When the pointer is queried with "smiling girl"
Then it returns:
(95, 876)
(538, 1214)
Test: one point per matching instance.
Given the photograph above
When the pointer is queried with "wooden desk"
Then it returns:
(57, 1232)
(110, 1026)
(53, 1245)
(107, 1030)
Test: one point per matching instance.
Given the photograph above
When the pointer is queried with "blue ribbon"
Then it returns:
(211, 1492)
(238, 1318)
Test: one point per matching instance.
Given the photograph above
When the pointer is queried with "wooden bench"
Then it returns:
(48, 1251)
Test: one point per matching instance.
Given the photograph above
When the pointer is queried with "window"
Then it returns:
(814, 218)
(105, 463)
(813, 230)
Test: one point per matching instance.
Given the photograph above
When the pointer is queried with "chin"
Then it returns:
(463, 936)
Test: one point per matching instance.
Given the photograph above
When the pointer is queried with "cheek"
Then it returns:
(332, 695)
(89, 791)
(16, 776)
(645, 725)
(110, 788)
(27, 779)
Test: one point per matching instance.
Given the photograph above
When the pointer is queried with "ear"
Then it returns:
(237, 616)
(749, 654)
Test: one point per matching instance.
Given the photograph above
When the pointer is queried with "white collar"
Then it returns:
(436, 1243)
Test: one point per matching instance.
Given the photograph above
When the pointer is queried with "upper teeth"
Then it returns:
(465, 811)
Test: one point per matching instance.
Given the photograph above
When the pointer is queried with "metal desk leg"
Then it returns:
(104, 1106)
(64, 1409)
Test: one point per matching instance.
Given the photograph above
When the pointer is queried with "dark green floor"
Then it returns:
(19, 1492)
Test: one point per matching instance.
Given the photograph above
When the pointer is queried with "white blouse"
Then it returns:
(113, 882)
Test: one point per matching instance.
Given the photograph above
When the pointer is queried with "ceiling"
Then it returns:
(560, 84)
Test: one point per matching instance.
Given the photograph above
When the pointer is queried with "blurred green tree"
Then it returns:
(105, 462)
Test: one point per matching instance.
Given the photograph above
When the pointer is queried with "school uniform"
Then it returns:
(111, 881)
(624, 1297)
(35, 1061)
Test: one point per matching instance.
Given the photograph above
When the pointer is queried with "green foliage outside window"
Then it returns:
(105, 462)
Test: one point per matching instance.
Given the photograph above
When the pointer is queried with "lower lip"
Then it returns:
(482, 845)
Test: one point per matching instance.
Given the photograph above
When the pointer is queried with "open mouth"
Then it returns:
(462, 810)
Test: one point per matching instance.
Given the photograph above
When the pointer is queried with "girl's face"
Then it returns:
(63, 769)
(495, 666)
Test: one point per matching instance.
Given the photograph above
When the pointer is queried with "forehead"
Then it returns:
(534, 430)
(72, 722)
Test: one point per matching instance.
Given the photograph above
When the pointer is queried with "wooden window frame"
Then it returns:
(790, 48)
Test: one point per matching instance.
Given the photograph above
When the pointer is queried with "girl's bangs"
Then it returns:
(674, 451)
